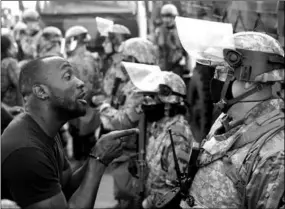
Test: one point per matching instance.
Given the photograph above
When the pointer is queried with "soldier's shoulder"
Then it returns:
(273, 146)
(181, 127)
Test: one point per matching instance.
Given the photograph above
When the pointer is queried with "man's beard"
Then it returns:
(66, 107)
(153, 112)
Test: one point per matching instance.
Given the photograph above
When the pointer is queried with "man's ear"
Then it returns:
(41, 91)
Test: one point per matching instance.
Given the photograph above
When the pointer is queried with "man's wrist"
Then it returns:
(98, 159)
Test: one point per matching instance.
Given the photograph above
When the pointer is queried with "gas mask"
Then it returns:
(153, 112)
(245, 65)
(152, 107)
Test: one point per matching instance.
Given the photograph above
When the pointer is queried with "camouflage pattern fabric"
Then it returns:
(86, 69)
(257, 41)
(170, 48)
(49, 42)
(159, 156)
(110, 75)
(128, 112)
(142, 49)
(29, 45)
(176, 84)
(10, 73)
(212, 188)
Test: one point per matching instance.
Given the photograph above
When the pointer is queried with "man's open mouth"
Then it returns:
(81, 98)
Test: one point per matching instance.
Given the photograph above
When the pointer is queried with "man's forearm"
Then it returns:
(85, 195)
(75, 180)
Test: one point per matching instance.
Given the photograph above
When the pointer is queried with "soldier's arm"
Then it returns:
(266, 187)
(98, 77)
(125, 117)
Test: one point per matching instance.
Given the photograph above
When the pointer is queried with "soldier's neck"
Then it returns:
(80, 50)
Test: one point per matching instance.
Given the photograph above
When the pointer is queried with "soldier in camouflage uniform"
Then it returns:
(116, 35)
(49, 42)
(28, 43)
(86, 68)
(124, 112)
(19, 32)
(10, 71)
(165, 110)
(241, 164)
(172, 56)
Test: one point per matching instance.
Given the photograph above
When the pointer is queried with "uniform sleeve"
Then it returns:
(98, 78)
(126, 116)
(30, 176)
(266, 187)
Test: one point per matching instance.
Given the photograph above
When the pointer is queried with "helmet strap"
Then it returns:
(225, 104)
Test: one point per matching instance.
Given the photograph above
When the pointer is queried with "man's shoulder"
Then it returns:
(19, 134)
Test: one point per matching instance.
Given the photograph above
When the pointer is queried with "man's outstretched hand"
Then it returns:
(111, 145)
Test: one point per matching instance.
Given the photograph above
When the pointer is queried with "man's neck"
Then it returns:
(48, 120)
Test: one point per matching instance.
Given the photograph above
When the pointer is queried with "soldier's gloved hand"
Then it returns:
(111, 145)
(98, 100)
(104, 106)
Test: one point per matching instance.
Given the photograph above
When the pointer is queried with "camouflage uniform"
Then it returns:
(10, 72)
(117, 34)
(162, 175)
(110, 75)
(127, 113)
(29, 41)
(49, 42)
(170, 49)
(225, 173)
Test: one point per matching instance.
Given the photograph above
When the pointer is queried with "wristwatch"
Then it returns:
(99, 159)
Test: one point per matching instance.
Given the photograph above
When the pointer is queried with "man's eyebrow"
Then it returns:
(65, 65)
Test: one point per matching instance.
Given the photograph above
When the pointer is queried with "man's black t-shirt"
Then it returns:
(32, 162)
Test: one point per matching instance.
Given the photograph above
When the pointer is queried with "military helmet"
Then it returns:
(257, 58)
(30, 15)
(142, 50)
(49, 41)
(119, 29)
(173, 88)
(76, 31)
(52, 30)
(118, 33)
(169, 9)
(267, 50)
(20, 26)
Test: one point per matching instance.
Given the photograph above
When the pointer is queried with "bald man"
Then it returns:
(35, 172)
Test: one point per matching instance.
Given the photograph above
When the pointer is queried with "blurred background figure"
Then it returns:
(20, 31)
(172, 57)
(87, 69)
(116, 36)
(49, 42)
(28, 43)
(11, 99)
